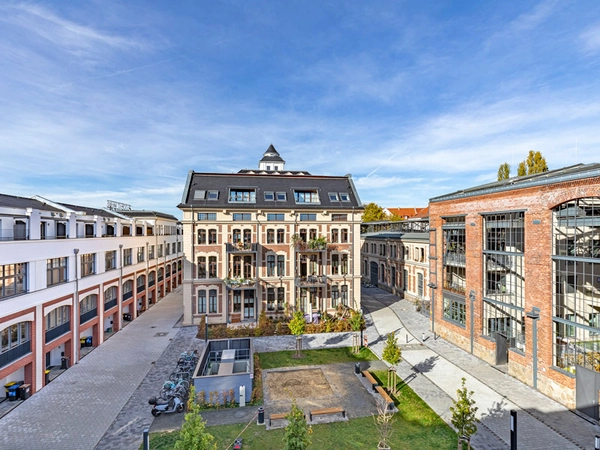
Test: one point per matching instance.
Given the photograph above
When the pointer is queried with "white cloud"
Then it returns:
(590, 39)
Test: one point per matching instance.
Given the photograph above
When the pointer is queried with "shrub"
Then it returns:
(391, 351)
(298, 323)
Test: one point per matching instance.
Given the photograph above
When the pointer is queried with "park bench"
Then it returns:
(277, 416)
(369, 377)
(386, 398)
(321, 412)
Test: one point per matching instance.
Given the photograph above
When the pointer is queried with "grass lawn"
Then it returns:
(416, 426)
(273, 360)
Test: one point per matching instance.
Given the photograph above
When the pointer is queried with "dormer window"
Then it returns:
(307, 196)
(281, 197)
(213, 195)
(242, 196)
(333, 197)
(269, 196)
(344, 197)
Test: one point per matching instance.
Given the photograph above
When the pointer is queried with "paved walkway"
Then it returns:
(78, 407)
(435, 369)
(101, 403)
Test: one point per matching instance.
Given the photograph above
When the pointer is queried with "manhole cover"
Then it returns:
(160, 334)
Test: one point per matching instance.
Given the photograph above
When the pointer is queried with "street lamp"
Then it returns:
(433, 287)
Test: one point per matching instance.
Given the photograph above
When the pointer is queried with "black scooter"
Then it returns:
(166, 406)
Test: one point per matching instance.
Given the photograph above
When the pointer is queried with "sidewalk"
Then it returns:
(76, 409)
(434, 369)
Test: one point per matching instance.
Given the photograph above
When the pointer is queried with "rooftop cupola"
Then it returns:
(271, 161)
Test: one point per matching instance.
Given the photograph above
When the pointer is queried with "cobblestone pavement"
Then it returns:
(76, 409)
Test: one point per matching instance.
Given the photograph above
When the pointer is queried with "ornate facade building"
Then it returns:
(269, 239)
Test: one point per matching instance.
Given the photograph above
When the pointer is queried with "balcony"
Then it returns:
(110, 304)
(311, 281)
(237, 283)
(55, 332)
(455, 288)
(455, 259)
(15, 353)
(241, 247)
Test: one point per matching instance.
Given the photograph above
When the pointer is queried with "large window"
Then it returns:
(207, 216)
(212, 236)
(110, 260)
(307, 196)
(306, 217)
(88, 304)
(212, 301)
(56, 271)
(275, 217)
(212, 267)
(14, 336)
(576, 293)
(270, 236)
(271, 266)
(58, 317)
(280, 236)
(140, 254)
(13, 279)
(88, 264)
(202, 301)
(127, 257)
(201, 237)
(242, 217)
(280, 265)
(454, 255)
(270, 299)
(151, 252)
(504, 277)
(110, 297)
(201, 266)
(454, 309)
(280, 298)
(242, 196)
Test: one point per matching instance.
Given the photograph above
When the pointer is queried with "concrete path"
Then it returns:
(434, 369)
(76, 409)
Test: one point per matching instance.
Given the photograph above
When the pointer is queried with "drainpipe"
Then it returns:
(433, 287)
(76, 312)
(534, 315)
(120, 291)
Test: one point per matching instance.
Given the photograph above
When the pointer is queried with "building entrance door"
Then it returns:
(587, 390)
(501, 349)
(374, 273)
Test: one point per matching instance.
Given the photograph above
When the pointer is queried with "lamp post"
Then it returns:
(472, 298)
(433, 287)
(534, 314)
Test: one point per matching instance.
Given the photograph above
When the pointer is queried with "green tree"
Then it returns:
(297, 431)
(373, 212)
(193, 433)
(534, 163)
(463, 414)
(298, 323)
(504, 172)
(392, 352)
(356, 321)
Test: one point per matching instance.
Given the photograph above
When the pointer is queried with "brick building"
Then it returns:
(269, 239)
(515, 275)
(395, 258)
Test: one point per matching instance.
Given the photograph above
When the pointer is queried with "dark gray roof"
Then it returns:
(12, 201)
(262, 183)
(576, 172)
(89, 211)
(396, 235)
(271, 155)
(146, 214)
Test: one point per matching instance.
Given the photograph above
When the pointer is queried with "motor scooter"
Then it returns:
(166, 406)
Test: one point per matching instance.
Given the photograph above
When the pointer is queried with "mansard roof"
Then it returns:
(261, 183)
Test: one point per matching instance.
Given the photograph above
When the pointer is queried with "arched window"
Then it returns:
(110, 297)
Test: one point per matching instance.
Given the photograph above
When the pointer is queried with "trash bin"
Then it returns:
(13, 391)
(46, 376)
(357, 368)
(261, 416)
(64, 363)
(127, 317)
(8, 385)
(82, 342)
(88, 341)
(24, 391)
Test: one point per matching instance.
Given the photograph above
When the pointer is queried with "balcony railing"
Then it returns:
(456, 288)
(55, 332)
(241, 247)
(455, 259)
(110, 304)
(127, 295)
(88, 315)
(312, 281)
(240, 283)
(15, 353)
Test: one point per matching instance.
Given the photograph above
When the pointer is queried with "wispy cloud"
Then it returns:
(590, 39)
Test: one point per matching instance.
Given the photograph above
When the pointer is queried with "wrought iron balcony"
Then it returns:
(241, 247)
(240, 283)
(311, 281)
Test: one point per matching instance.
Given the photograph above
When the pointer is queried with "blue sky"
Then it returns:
(119, 100)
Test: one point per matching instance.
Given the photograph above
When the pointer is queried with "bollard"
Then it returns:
(513, 429)
(423, 336)
(357, 368)
(146, 439)
(597, 442)
(261, 416)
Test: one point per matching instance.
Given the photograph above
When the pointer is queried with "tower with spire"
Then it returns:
(271, 161)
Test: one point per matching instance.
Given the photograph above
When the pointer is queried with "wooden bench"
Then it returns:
(321, 412)
(277, 416)
(369, 377)
(386, 398)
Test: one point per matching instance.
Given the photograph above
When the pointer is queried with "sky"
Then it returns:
(112, 100)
